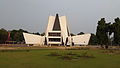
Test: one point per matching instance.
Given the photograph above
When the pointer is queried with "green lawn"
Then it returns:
(40, 59)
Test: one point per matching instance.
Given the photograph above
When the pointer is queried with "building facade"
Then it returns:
(57, 33)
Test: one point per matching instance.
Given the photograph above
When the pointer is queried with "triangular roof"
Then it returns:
(56, 26)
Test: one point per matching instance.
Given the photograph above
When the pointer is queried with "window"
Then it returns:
(54, 39)
(54, 34)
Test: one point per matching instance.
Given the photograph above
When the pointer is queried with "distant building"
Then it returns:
(57, 33)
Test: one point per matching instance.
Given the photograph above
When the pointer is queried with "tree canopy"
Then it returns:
(104, 30)
(116, 30)
(3, 35)
(101, 32)
(80, 33)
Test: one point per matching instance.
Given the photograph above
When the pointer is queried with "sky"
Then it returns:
(32, 15)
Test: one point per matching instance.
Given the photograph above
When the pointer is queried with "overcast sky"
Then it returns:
(32, 15)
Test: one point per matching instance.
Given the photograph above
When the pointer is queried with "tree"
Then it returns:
(108, 30)
(37, 33)
(101, 33)
(116, 30)
(17, 35)
(93, 39)
(3, 35)
(80, 33)
(42, 34)
(72, 34)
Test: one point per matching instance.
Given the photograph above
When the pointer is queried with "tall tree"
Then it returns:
(108, 30)
(116, 30)
(101, 33)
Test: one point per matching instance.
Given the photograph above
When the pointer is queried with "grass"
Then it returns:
(48, 58)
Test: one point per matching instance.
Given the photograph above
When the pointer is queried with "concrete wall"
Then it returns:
(33, 39)
(81, 39)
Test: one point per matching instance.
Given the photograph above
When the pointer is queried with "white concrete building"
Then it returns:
(57, 33)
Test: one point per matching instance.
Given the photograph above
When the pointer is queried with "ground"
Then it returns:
(56, 58)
